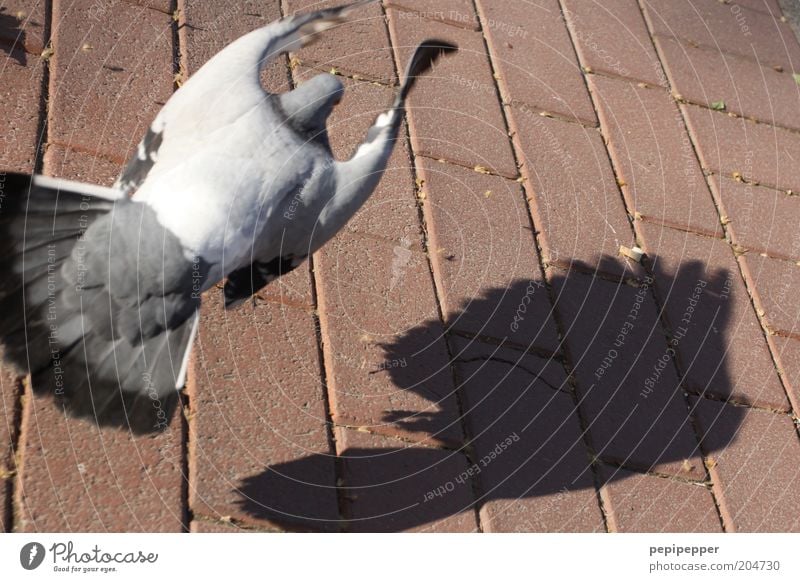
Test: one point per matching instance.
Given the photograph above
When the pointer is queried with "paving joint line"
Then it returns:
(538, 110)
(519, 156)
(717, 489)
(485, 171)
(750, 286)
(432, 442)
(185, 400)
(665, 328)
(640, 470)
(506, 343)
(327, 397)
(24, 395)
(468, 448)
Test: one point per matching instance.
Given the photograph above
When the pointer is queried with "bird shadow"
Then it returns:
(530, 422)
(12, 37)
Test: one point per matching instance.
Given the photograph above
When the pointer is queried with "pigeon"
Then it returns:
(101, 286)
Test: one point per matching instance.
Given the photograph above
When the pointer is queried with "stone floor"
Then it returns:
(475, 351)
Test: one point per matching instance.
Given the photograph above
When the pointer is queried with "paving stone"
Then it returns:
(455, 12)
(653, 155)
(109, 75)
(81, 167)
(534, 57)
(573, 195)
(718, 336)
(389, 486)
(454, 113)
(207, 29)
(160, 5)
(20, 96)
(769, 6)
(10, 393)
(757, 468)
(787, 351)
(759, 153)
(611, 36)
(386, 358)
(203, 526)
(22, 28)
(762, 220)
(627, 385)
(484, 256)
(731, 29)
(777, 282)
(745, 87)
(531, 461)
(519, 366)
(360, 46)
(76, 477)
(643, 503)
(260, 450)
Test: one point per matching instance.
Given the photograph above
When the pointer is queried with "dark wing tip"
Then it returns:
(425, 55)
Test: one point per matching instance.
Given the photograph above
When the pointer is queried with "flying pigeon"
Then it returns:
(101, 286)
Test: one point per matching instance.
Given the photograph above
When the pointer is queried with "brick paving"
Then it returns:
(472, 352)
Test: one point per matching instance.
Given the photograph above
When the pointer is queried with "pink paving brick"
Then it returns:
(484, 256)
(653, 156)
(161, 5)
(358, 47)
(22, 27)
(10, 393)
(769, 6)
(736, 30)
(745, 87)
(627, 383)
(757, 152)
(260, 449)
(109, 76)
(787, 352)
(393, 486)
(20, 95)
(206, 30)
(611, 37)
(82, 167)
(76, 477)
(719, 338)
(757, 468)
(208, 526)
(534, 57)
(453, 112)
(760, 219)
(386, 358)
(573, 194)
(531, 462)
(455, 12)
(777, 282)
(643, 503)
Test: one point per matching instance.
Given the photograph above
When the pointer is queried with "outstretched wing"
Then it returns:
(97, 300)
